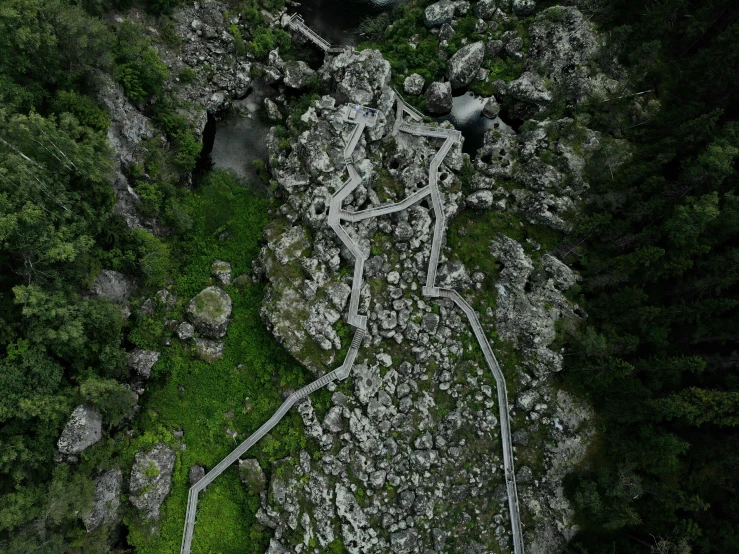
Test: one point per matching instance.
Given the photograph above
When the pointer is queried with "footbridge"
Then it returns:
(297, 23)
(362, 118)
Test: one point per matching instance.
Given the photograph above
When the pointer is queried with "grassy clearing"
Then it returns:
(238, 393)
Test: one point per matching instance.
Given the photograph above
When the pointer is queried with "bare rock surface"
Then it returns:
(142, 361)
(106, 501)
(151, 479)
(209, 312)
(83, 429)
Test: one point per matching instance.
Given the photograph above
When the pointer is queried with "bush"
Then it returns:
(265, 40)
(187, 74)
(84, 108)
(137, 66)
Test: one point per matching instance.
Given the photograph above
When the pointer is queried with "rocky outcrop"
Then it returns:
(209, 312)
(84, 428)
(114, 286)
(106, 501)
(491, 109)
(439, 98)
(297, 74)
(463, 66)
(151, 479)
(142, 361)
(522, 8)
(439, 13)
(529, 87)
(252, 476)
(358, 77)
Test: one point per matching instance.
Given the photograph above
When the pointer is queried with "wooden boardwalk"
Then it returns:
(362, 118)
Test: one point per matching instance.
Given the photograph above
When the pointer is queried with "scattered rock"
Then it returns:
(208, 350)
(439, 98)
(209, 312)
(142, 361)
(438, 13)
(84, 428)
(151, 479)
(185, 331)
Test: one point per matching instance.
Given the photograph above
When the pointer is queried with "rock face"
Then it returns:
(84, 428)
(208, 350)
(252, 475)
(151, 479)
(106, 501)
(439, 98)
(439, 13)
(142, 361)
(209, 312)
(413, 84)
(114, 286)
(297, 74)
(464, 64)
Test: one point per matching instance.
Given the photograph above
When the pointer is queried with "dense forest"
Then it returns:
(657, 245)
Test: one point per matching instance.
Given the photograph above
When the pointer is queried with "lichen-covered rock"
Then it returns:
(114, 286)
(272, 110)
(439, 98)
(297, 74)
(529, 87)
(252, 475)
(222, 272)
(208, 350)
(142, 361)
(197, 472)
(106, 501)
(491, 109)
(413, 84)
(485, 9)
(83, 429)
(463, 66)
(209, 312)
(439, 13)
(481, 199)
(358, 77)
(185, 331)
(151, 479)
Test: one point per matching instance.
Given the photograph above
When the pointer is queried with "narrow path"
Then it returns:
(363, 117)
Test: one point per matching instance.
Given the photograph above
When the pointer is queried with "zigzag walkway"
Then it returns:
(361, 118)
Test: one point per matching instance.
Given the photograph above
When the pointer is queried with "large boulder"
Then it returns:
(209, 312)
(141, 361)
(84, 428)
(530, 88)
(114, 286)
(151, 479)
(359, 77)
(464, 64)
(106, 501)
(297, 74)
(413, 84)
(491, 109)
(439, 13)
(252, 475)
(485, 9)
(439, 98)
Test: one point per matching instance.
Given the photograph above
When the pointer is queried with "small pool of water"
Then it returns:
(337, 21)
(466, 116)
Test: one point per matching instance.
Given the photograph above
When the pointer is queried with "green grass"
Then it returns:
(239, 392)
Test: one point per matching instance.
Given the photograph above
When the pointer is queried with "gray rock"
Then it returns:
(142, 361)
(332, 422)
(197, 472)
(404, 541)
(273, 112)
(106, 501)
(185, 331)
(413, 84)
(222, 272)
(114, 286)
(523, 8)
(209, 350)
(439, 13)
(151, 479)
(209, 312)
(297, 74)
(529, 87)
(439, 98)
(430, 322)
(491, 109)
(83, 429)
(464, 64)
(527, 399)
(485, 9)
(359, 77)
(493, 48)
(252, 476)
(524, 475)
(481, 200)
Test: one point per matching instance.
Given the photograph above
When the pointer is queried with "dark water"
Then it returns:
(466, 116)
(240, 138)
(337, 20)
